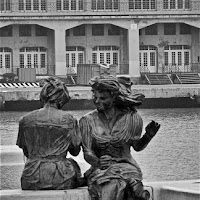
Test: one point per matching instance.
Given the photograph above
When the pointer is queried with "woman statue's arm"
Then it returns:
(89, 155)
(151, 130)
(20, 138)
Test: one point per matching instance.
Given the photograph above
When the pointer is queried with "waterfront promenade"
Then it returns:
(13, 163)
(165, 94)
(156, 96)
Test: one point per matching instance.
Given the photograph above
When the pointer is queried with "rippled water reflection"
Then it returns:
(172, 155)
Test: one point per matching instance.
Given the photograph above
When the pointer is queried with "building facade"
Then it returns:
(152, 36)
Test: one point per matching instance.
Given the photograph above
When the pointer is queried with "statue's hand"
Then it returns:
(105, 161)
(152, 128)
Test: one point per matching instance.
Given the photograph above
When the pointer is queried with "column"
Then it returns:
(161, 60)
(199, 48)
(133, 48)
(60, 45)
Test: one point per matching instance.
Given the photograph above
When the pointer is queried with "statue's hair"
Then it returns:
(120, 88)
(102, 84)
(54, 91)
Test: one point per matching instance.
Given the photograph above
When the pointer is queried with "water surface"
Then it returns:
(172, 155)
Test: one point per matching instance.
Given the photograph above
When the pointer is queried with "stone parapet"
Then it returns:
(78, 92)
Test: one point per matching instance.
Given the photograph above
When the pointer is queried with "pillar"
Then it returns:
(60, 45)
(199, 48)
(133, 49)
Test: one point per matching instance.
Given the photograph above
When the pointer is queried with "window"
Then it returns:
(169, 29)
(166, 59)
(165, 4)
(176, 4)
(58, 4)
(80, 4)
(43, 5)
(35, 4)
(105, 4)
(113, 30)
(21, 4)
(34, 57)
(73, 5)
(185, 29)
(187, 4)
(147, 58)
(74, 56)
(5, 5)
(172, 4)
(69, 4)
(97, 29)
(6, 31)
(24, 30)
(94, 58)
(151, 30)
(138, 4)
(186, 58)
(40, 31)
(146, 4)
(131, 4)
(5, 57)
(28, 4)
(43, 60)
(79, 30)
(177, 56)
(108, 58)
(142, 4)
(105, 54)
(180, 4)
(31, 5)
(108, 4)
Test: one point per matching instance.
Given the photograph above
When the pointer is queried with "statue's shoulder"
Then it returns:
(29, 117)
(90, 115)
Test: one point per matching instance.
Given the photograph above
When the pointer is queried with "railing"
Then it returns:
(190, 68)
(64, 6)
(144, 69)
(40, 70)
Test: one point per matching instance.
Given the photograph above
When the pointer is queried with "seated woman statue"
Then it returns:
(46, 135)
(108, 132)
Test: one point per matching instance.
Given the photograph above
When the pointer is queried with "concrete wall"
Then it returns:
(81, 93)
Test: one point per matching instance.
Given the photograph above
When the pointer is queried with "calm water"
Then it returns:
(172, 155)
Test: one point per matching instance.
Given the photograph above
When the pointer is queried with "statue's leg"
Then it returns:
(113, 190)
(137, 190)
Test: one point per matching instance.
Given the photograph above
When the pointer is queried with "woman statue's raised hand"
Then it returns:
(152, 128)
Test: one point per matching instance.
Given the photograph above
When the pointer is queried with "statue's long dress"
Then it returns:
(100, 139)
(45, 137)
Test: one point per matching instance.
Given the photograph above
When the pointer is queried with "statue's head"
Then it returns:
(105, 90)
(55, 92)
(110, 91)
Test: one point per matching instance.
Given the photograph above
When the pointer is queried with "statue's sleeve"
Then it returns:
(85, 129)
(138, 141)
(75, 145)
(21, 139)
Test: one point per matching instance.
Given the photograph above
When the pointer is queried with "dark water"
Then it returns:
(174, 154)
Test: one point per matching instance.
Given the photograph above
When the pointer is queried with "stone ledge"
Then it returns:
(168, 193)
(173, 190)
(74, 194)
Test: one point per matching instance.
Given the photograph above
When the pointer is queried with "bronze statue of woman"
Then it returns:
(108, 133)
(46, 135)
